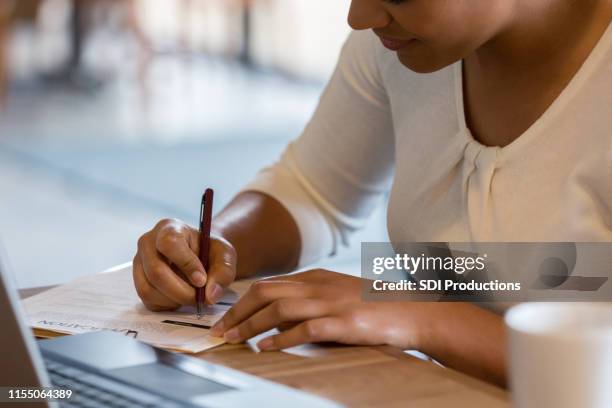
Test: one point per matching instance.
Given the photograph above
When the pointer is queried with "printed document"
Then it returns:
(108, 301)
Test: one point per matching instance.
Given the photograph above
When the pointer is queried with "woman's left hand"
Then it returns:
(318, 306)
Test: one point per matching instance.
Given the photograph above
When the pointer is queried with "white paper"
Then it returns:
(109, 302)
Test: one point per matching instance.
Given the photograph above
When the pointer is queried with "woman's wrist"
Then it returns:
(247, 262)
(407, 325)
(459, 335)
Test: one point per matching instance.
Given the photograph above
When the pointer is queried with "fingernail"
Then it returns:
(217, 329)
(216, 293)
(198, 279)
(232, 336)
(266, 344)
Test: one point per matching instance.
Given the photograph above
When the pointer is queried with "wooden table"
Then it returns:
(360, 376)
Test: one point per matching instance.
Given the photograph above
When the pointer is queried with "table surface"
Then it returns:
(360, 376)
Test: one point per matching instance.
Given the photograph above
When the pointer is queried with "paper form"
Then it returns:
(109, 302)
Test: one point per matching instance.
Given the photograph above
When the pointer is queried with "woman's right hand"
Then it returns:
(166, 267)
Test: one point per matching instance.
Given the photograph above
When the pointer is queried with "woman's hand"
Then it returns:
(318, 306)
(166, 266)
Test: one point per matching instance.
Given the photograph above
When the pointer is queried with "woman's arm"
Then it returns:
(465, 337)
(263, 233)
(323, 306)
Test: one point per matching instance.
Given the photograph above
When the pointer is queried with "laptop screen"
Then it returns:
(167, 380)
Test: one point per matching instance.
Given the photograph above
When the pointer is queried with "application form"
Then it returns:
(108, 301)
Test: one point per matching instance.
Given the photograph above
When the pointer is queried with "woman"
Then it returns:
(488, 120)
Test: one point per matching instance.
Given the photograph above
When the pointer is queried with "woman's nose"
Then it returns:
(367, 14)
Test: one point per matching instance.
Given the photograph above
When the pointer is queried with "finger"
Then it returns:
(151, 297)
(162, 277)
(173, 243)
(260, 294)
(286, 326)
(311, 331)
(275, 314)
(222, 269)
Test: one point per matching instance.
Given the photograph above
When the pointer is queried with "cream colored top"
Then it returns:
(382, 128)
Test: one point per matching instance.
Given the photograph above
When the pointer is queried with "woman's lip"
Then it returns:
(394, 44)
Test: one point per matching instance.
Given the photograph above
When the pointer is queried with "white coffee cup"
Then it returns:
(560, 355)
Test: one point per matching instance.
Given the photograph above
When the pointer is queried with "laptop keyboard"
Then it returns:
(94, 391)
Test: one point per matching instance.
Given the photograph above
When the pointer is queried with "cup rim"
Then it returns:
(526, 318)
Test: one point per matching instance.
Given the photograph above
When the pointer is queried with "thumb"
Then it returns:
(174, 246)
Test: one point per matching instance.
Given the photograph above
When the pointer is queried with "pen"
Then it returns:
(205, 221)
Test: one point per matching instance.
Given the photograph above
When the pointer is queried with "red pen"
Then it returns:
(205, 221)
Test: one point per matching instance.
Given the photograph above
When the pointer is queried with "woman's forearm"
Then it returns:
(467, 338)
(262, 231)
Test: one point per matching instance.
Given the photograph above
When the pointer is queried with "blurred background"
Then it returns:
(116, 113)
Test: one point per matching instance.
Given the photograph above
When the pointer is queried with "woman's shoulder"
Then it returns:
(363, 50)
(365, 46)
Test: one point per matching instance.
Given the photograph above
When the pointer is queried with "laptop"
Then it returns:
(104, 369)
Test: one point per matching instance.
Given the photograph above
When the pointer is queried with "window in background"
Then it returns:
(298, 36)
